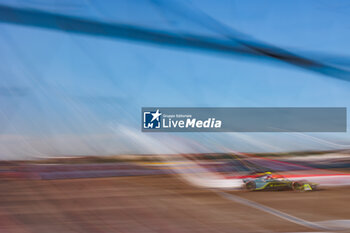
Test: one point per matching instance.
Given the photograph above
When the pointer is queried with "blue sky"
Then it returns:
(66, 94)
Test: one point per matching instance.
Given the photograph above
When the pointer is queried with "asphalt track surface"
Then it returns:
(272, 211)
(158, 203)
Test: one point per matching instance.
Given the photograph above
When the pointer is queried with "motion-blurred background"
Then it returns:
(75, 74)
(74, 89)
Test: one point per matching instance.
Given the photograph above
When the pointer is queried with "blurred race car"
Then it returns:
(266, 181)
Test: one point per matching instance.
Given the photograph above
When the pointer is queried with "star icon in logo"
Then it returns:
(156, 115)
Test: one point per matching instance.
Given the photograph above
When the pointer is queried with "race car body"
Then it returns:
(267, 182)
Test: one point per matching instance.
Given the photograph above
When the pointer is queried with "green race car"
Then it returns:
(266, 181)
